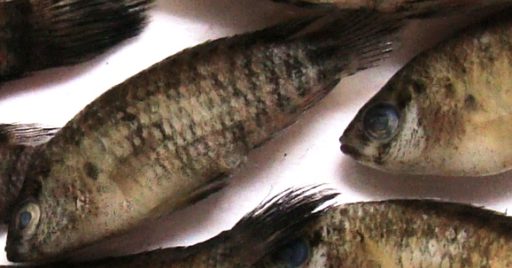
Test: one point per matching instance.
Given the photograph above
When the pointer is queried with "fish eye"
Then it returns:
(380, 122)
(295, 253)
(28, 218)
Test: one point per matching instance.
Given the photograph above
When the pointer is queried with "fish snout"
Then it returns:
(13, 254)
(349, 150)
(17, 249)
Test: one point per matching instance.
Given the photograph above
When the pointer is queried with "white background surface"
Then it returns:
(306, 153)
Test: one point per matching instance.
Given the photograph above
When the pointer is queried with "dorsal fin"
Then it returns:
(276, 221)
(25, 134)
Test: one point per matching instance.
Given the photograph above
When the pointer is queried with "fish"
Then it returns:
(41, 34)
(172, 134)
(412, 8)
(268, 223)
(17, 142)
(446, 112)
(397, 233)
(306, 228)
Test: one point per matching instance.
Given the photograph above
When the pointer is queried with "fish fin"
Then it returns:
(268, 226)
(200, 193)
(345, 42)
(276, 221)
(25, 134)
(213, 186)
(49, 33)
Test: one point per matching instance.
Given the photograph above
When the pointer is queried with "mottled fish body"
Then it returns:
(40, 34)
(168, 136)
(291, 231)
(400, 233)
(447, 112)
(412, 8)
(17, 142)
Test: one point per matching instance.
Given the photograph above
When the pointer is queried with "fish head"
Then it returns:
(323, 243)
(48, 220)
(387, 133)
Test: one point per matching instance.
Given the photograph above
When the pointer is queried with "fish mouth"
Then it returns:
(13, 254)
(350, 150)
(17, 251)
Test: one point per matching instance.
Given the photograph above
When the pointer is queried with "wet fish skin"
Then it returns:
(454, 106)
(414, 8)
(17, 143)
(234, 247)
(40, 34)
(290, 231)
(405, 233)
(154, 143)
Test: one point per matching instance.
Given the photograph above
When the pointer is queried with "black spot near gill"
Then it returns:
(419, 87)
(449, 90)
(91, 170)
(403, 98)
(470, 102)
(128, 117)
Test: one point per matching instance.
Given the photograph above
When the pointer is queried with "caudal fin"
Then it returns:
(25, 134)
(345, 42)
(277, 221)
(47, 33)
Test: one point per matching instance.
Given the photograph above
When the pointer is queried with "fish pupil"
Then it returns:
(25, 218)
(295, 253)
(380, 122)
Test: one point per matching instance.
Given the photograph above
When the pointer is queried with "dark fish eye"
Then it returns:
(295, 253)
(380, 122)
(24, 219)
(28, 218)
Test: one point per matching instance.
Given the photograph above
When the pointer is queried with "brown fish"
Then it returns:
(170, 135)
(17, 142)
(447, 112)
(413, 8)
(40, 34)
(291, 231)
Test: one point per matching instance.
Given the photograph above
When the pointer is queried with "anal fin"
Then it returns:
(212, 186)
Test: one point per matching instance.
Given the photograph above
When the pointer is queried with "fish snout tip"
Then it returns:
(15, 249)
(13, 255)
(349, 150)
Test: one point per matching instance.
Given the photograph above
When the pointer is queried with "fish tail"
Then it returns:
(47, 33)
(16, 146)
(351, 41)
(277, 221)
(25, 134)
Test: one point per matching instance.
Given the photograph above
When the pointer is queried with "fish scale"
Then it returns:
(147, 147)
